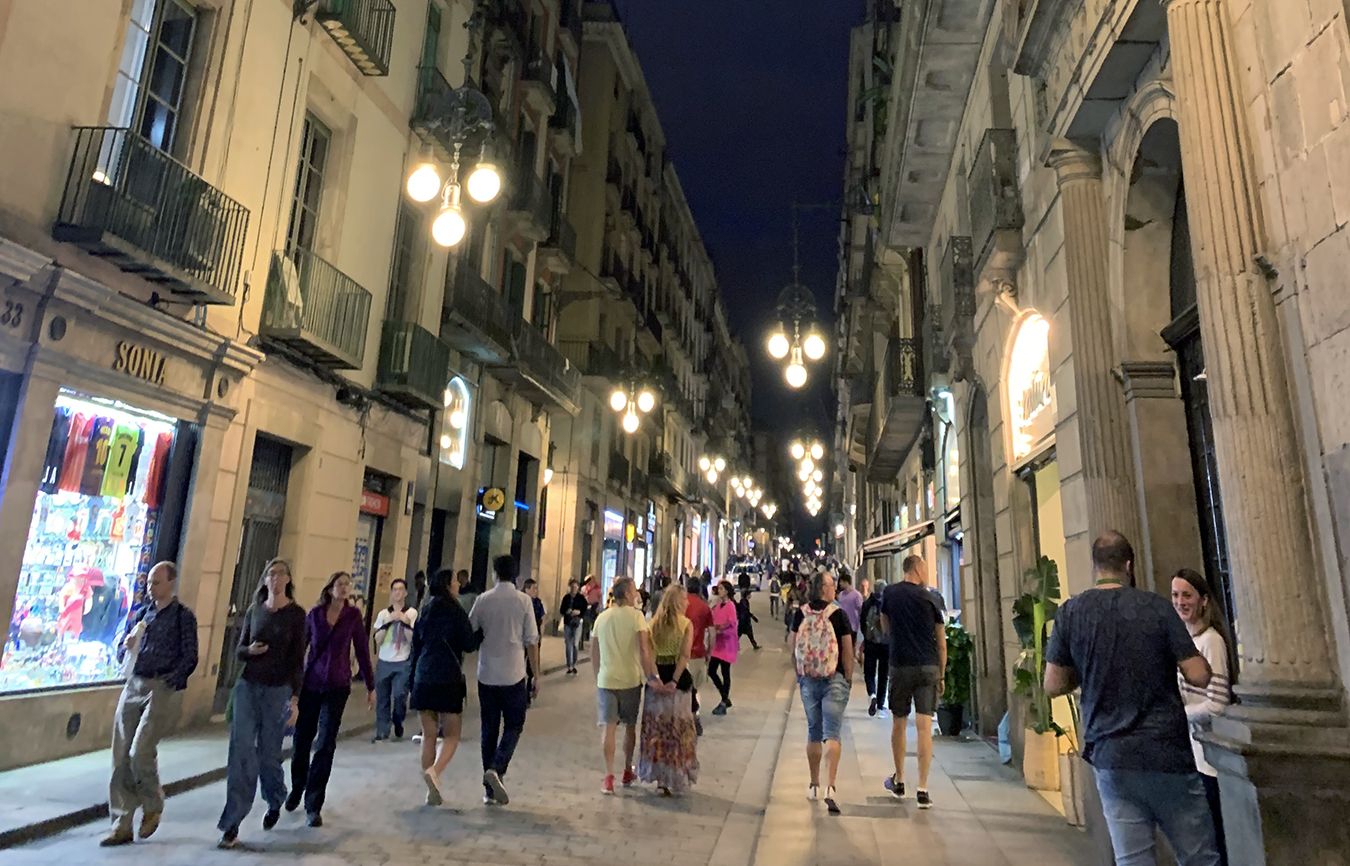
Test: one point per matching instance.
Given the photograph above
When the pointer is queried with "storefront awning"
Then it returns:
(895, 542)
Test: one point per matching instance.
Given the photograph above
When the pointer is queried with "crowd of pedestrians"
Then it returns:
(1148, 674)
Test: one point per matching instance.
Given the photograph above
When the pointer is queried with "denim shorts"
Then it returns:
(824, 701)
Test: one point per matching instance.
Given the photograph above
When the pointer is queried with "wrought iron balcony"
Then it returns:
(363, 29)
(559, 251)
(315, 311)
(414, 365)
(958, 306)
(592, 359)
(666, 472)
(537, 83)
(541, 372)
(531, 205)
(618, 470)
(996, 207)
(638, 484)
(898, 410)
(475, 318)
(129, 202)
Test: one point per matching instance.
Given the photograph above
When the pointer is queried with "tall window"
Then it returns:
(314, 145)
(148, 91)
(405, 275)
(431, 40)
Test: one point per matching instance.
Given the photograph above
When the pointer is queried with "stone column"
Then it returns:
(1283, 753)
(1108, 473)
(1285, 648)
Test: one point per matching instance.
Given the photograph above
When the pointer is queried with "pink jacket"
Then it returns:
(728, 642)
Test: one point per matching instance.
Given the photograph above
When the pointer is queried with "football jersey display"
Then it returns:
(122, 453)
(96, 461)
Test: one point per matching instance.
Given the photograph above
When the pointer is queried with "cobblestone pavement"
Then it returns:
(557, 816)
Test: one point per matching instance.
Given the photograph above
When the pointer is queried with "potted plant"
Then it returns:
(1033, 611)
(951, 711)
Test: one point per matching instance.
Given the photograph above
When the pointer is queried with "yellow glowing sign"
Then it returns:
(1031, 394)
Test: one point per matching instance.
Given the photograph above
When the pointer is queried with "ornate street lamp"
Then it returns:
(459, 118)
(769, 509)
(712, 465)
(633, 400)
(796, 339)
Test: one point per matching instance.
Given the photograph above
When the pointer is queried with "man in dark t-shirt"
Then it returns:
(918, 647)
(1123, 646)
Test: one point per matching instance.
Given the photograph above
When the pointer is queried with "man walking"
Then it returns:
(393, 642)
(505, 615)
(914, 629)
(875, 650)
(1124, 646)
(701, 620)
(531, 588)
(621, 655)
(163, 640)
(850, 601)
(572, 611)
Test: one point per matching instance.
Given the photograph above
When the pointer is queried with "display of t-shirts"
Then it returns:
(77, 448)
(159, 460)
(56, 450)
(96, 461)
(126, 441)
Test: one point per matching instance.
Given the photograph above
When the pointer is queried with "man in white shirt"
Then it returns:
(505, 616)
(393, 640)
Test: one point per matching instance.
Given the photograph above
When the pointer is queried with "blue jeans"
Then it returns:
(570, 633)
(391, 695)
(1136, 802)
(824, 700)
(257, 727)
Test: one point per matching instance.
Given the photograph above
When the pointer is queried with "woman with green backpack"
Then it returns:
(822, 646)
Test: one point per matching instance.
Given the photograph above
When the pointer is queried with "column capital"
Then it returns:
(1147, 380)
(1074, 162)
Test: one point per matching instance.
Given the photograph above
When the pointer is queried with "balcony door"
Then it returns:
(153, 71)
(315, 143)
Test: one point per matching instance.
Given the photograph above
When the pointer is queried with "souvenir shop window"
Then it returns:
(92, 540)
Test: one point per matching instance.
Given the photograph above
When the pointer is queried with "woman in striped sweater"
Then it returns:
(1195, 604)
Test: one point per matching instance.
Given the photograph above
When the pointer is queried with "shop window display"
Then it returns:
(90, 544)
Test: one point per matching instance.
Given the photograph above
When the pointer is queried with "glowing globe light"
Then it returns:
(449, 227)
(618, 400)
(719, 464)
(704, 463)
(646, 400)
(630, 422)
(817, 450)
(795, 374)
(797, 450)
(424, 182)
(484, 183)
(778, 345)
(814, 346)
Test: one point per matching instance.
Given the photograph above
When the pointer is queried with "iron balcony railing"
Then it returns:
(539, 74)
(547, 367)
(477, 320)
(413, 365)
(904, 368)
(995, 203)
(618, 469)
(531, 198)
(563, 237)
(363, 29)
(316, 310)
(592, 359)
(130, 202)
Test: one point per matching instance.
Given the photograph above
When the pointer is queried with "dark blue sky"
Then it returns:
(751, 98)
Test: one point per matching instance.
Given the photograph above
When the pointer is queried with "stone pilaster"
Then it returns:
(1108, 473)
(1283, 752)
(1283, 630)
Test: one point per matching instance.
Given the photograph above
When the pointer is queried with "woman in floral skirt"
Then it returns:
(668, 755)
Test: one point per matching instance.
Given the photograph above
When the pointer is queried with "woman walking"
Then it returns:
(875, 653)
(745, 620)
(1193, 601)
(726, 621)
(572, 612)
(669, 755)
(822, 646)
(440, 639)
(335, 628)
(272, 648)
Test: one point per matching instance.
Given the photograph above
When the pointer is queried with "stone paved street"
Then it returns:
(557, 816)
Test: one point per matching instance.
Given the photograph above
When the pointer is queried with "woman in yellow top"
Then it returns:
(669, 755)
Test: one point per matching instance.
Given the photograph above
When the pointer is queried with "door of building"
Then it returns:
(264, 507)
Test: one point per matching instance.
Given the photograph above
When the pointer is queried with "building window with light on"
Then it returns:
(455, 423)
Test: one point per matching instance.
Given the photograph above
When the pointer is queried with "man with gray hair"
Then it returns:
(162, 643)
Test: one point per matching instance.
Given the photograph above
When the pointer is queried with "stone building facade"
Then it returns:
(1124, 225)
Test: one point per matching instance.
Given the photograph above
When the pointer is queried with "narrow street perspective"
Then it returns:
(536, 432)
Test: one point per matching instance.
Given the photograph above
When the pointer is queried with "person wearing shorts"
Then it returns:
(918, 656)
(824, 697)
(621, 655)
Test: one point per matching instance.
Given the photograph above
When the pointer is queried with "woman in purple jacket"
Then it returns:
(334, 628)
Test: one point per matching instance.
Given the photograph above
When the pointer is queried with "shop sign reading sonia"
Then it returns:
(140, 362)
(1031, 395)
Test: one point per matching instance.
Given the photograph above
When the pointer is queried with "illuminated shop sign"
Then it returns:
(1031, 395)
(455, 423)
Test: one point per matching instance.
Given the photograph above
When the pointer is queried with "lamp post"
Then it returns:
(462, 119)
(633, 400)
(796, 339)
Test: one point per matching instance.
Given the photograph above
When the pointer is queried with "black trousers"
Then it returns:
(876, 665)
(316, 728)
(719, 671)
(503, 712)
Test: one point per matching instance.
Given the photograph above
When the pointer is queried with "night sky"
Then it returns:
(751, 98)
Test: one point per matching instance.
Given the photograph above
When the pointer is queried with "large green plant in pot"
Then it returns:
(1033, 611)
(956, 679)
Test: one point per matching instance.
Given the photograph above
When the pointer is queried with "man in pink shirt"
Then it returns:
(701, 618)
(725, 648)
